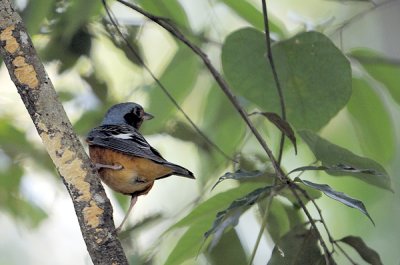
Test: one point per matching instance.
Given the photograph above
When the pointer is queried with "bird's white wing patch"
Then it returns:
(125, 136)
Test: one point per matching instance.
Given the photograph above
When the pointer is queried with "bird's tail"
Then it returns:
(180, 171)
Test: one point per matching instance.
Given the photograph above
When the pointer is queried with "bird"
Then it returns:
(125, 161)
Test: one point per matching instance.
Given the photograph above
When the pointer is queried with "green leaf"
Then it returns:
(34, 14)
(314, 75)
(368, 254)
(25, 210)
(210, 207)
(332, 155)
(223, 254)
(277, 222)
(178, 78)
(14, 143)
(299, 246)
(380, 68)
(10, 178)
(77, 14)
(170, 9)
(338, 196)
(240, 174)
(337, 168)
(281, 124)
(189, 245)
(372, 121)
(230, 216)
(253, 16)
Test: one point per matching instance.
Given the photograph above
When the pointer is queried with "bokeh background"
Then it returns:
(92, 71)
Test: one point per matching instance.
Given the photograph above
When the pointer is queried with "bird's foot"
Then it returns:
(114, 167)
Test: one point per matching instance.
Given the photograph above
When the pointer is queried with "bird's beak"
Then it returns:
(147, 116)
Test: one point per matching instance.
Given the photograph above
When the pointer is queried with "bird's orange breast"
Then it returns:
(137, 175)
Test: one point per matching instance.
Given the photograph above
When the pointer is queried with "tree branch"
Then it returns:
(275, 74)
(91, 204)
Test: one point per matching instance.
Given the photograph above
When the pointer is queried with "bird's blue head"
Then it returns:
(126, 113)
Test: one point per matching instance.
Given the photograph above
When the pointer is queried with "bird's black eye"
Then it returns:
(137, 111)
(135, 117)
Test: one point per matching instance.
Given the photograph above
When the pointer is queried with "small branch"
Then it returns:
(91, 204)
(275, 74)
(217, 76)
(163, 88)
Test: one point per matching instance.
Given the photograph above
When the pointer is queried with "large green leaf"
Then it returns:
(223, 254)
(189, 245)
(209, 208)
(314, 75)
(372, 122)
(299, 246)
(380, 68)
(178, 79)
(332, 155)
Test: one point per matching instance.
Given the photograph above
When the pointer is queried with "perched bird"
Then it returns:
(124, 159)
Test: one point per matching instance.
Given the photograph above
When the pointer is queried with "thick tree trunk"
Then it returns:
(92, 207)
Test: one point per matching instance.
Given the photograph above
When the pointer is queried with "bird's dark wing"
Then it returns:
(125, 139)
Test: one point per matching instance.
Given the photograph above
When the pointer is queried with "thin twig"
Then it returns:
(275, 74)
(163, 88)
(217, 76)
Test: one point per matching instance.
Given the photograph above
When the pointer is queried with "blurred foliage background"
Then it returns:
(92, 68)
